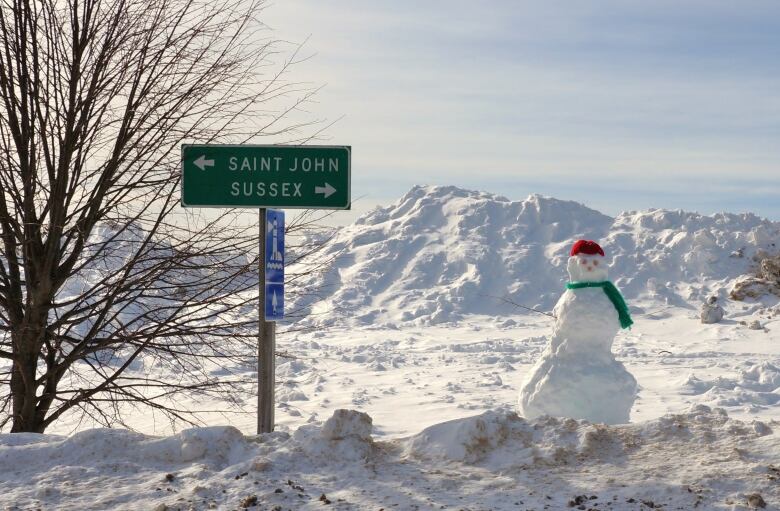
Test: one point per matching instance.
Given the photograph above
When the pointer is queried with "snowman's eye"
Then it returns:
(583, 262)
(596, 263)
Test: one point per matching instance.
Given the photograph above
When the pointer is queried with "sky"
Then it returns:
(621, 105)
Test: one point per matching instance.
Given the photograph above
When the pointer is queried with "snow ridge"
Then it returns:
(441, 252)
(697, 459)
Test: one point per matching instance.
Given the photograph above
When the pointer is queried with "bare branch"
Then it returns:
(105, 284)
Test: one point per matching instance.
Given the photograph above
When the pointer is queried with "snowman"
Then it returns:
(577, 375)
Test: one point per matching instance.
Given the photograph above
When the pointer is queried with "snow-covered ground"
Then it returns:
(700, 459)
(416, 333)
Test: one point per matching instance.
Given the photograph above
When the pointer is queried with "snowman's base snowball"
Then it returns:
(598, 389)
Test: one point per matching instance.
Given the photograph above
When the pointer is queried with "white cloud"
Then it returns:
(473, 92)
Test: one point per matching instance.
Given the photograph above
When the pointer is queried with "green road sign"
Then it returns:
(259, 176)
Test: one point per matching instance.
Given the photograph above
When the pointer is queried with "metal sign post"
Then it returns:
(266, 347)
(270, 308)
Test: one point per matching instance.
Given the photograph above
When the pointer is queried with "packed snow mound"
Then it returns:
(346, 435)
(498, 440)
(441, 252)
(216, 446)
(347, 423)
(753, 388)
(697, 459)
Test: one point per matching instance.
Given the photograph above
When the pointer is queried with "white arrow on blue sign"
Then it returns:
(274, 301)
(274, 265)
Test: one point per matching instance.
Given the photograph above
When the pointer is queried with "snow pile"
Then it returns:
(498, 439)
(348, 424)
(495, 460)
(754, 388)
(345, 436)
(676, 256)
(442, 252)
(501, 439)
(108, 468)
(217, 446)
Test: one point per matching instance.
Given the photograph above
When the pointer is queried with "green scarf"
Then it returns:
(614, 296)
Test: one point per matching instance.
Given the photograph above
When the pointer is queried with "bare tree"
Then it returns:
(105, 284)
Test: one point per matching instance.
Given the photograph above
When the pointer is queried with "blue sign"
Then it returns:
(274, 301)
(274, 265)
(274, 246)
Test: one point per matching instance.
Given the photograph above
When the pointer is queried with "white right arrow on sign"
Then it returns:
(327, 190)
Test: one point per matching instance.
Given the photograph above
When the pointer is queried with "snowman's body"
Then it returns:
(577, 375)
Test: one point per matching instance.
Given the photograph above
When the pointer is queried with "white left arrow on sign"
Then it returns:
(326, 190)
(202, 162)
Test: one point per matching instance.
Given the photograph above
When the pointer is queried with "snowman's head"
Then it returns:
(587, 262)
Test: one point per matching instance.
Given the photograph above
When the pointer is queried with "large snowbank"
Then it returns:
(441, 252)
(496, 460)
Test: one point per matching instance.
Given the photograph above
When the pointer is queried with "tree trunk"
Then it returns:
(24, 409)
(26, 416)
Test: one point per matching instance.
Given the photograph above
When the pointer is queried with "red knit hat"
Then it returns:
(588, 247)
